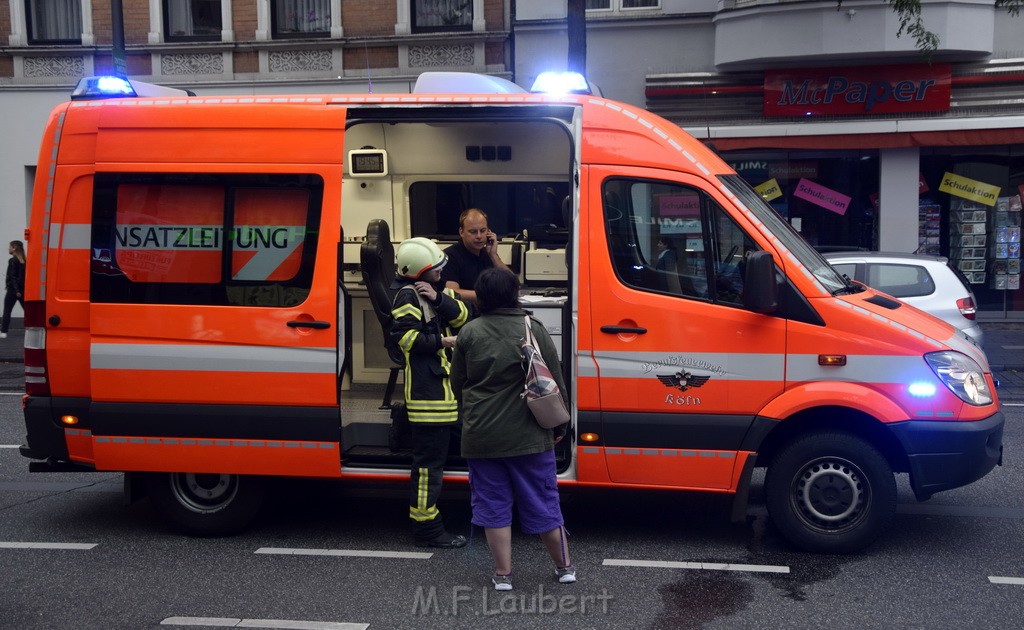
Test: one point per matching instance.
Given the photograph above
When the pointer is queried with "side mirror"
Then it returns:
(760, 289)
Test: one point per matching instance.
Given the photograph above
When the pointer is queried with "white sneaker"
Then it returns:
(3, 335)
(566, 575)
(502, 582)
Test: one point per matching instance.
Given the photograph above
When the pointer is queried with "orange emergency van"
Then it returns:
(196, 315)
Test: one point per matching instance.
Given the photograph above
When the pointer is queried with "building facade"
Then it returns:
(845, 127)
(850, 132)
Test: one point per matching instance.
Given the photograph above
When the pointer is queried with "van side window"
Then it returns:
(674, 239)
(225, 240)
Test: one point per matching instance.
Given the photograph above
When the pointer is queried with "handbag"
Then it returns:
(540, 390)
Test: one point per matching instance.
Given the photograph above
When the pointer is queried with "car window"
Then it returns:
(900, 280)
(847, 269)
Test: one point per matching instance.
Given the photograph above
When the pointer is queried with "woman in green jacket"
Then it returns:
(510, 456)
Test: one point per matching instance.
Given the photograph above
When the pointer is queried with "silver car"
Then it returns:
(929, 283)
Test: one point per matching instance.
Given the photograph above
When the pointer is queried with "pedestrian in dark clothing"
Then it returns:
(15, 284)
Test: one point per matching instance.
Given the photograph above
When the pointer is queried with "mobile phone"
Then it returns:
(490, 240)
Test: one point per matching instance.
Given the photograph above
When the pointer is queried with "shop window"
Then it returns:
(192, 20)
(204, 239)
(54, 21)
(829, 197)
(673, 239)
(431, 16)
(976, 193)
(300, 18)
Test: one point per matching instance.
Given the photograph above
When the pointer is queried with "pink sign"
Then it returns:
(678, 205)
(819, 195)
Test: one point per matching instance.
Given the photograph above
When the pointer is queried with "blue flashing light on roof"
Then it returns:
(102, 87)
(561, 83)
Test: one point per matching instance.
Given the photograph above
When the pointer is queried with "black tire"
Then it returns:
(205, 504)
(830, 492)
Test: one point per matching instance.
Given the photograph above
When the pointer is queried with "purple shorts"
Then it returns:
(529, 480)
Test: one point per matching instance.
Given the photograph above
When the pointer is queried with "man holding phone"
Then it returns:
(476, 250)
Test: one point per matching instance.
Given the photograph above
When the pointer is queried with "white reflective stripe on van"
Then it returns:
(765, 367)
(958, 343)
(860, 368)
(220, 358)
(719, 365)
(76, 236)
(586, 366)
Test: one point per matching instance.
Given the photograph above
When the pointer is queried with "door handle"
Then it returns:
(310, 324)
(617, 330)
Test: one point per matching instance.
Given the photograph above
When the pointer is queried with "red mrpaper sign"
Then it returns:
(857, 91)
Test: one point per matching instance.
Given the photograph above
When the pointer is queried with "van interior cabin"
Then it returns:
(411, 171)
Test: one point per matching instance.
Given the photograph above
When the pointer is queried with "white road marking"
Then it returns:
(706, 566)
(349, 553)
(289, 624)
(995, 579)
(45, 545)
(1012, 404)
(8, 446)
(12, 393)
(1013, 347)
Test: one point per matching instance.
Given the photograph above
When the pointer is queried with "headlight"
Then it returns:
(962, 375)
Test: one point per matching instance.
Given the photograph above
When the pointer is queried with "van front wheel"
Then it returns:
(830, 492)
(206, 504)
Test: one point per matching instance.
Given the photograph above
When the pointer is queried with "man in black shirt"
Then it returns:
(476, 250)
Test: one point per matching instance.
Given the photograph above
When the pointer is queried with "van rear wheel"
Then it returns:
(830, 492)
(207, 504)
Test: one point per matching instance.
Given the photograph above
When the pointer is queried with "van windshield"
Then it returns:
(789, 237)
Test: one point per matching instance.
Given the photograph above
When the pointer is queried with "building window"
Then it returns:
(192, 20)
(430, 16)
(623, 5)
(54, 21)
(300, 18)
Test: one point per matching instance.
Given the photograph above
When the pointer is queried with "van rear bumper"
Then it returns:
(44, 437)
(949, 454)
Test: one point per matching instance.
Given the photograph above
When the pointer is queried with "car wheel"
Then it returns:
(830, 492)
(207, 504)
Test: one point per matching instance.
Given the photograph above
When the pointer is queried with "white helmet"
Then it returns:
(417, 256)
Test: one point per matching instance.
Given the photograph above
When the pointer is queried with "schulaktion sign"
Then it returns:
(857, 91)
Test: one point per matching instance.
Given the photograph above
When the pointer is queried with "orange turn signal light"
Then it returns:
(589, 437)
(832, 360)
(69, 419)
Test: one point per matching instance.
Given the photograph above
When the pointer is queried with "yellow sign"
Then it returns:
(769, 190)
(969, 189)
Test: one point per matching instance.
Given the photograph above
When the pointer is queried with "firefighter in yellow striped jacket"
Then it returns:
(426, 317)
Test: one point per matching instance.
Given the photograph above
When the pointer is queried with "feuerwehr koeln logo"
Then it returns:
(683, 380)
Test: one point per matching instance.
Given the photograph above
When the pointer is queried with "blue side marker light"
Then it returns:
(921, 390)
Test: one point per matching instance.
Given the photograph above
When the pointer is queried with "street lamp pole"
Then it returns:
(117, 39)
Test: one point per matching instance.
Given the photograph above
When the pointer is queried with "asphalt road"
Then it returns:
(309, 561)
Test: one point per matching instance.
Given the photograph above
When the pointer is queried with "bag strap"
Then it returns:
(529, 332)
